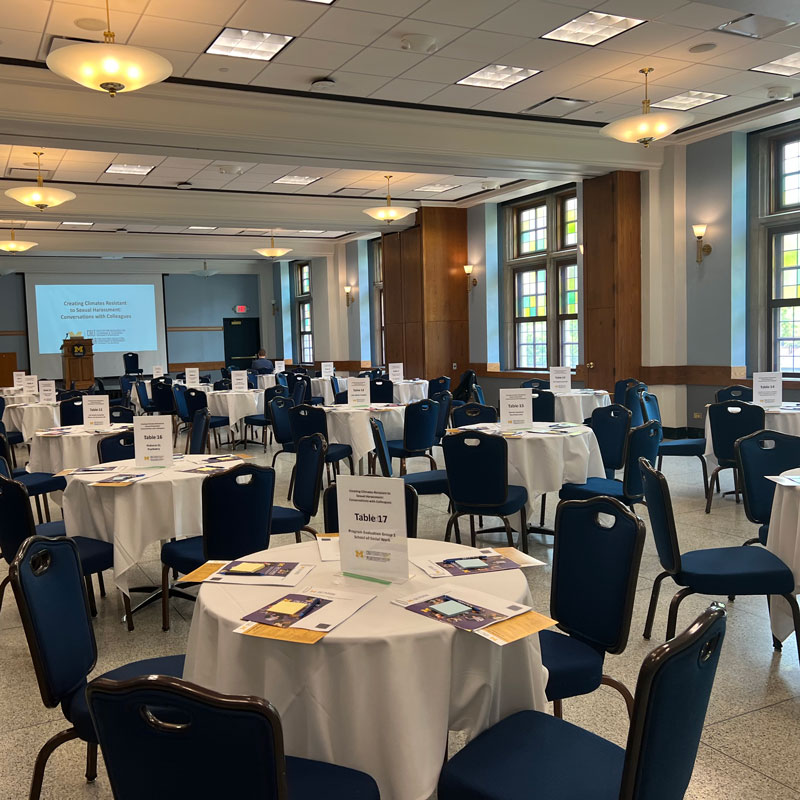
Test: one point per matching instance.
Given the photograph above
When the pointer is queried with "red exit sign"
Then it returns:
(240, 309)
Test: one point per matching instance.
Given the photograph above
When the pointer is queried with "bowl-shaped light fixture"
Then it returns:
(39, 196)
(272, 251)
(109, 67)
(389, 213)
(14, 245)
(649, 126)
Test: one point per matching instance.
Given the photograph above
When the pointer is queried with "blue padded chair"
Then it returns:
(181, 407)
(120, 415)
(223, 385)
(14, 437)
(335, 385)
(735, 392)
(173, 727)
(237, 509)
(757, 455)
(533, 755)
(279, 408)
(308, 398)
(611, 425)
(634, 403)
(145, 403)
(642, 443)
(535, 383)
(473, 414)
(463, 391)
(432, 481)
(307, 484)
(341, 398)
(307, 420)
(252, 379)
(477, 395)
(674, 447)
(419, 433)
(438, 385)
(621, 388)
(730, 420)
(444, 399)
(126, 383)
(262, 420)
(71, 412)
(330, 510)
(197, 399)
(598, 558)
(477, 474)
(163, 398)
(544, 406)
(46, 578)
(130, 363)
(298, 391)
(381, 390)
(281, 379)
(197, 438)
(718, 570)
(116, 447)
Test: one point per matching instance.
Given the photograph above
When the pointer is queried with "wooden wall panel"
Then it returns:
(8, 366)
(392, 279)
(413, 290)
(414, 361)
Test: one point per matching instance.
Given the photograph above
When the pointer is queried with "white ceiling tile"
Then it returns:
(353, 83)
(76, 177)
(460, 96)
(273, 169)
(399, 8)
(193, 37)
(378, 61)
(61, 21)
(277, 16)
(443, 70)
(177, 162)
(483, 46)
(181, 61)
(132, 6)
(753, 54)
(661, 66)
(209, 67)
(507, 103)
(352, 27)
(467, 12)
(406, 91)
(172, 173)
(534, 17)
(648, 38)
(285, 76)
(595, 61)
(444, 34)
(634, 96)
(694, 77)
(215, 12)
(543, 54)
(315, 53)
(751, 84)
(700, 15)
(724, 43)
(789, 36)
(602, 89)
(127, 180)
(312, 171)
(88, 156)
(246, 184)
(25, 15)
(19, 44)
(730, 105)
(638, 9)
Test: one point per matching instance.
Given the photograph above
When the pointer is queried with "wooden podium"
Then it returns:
(77, 362)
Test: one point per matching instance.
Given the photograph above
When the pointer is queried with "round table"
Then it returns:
(379, 692)
(578, 404)
(27, 418)
(347, 425)
(266, 381)
(409, 391)
(76, 448)
(236, 405)
(321, 387)
(13, 394)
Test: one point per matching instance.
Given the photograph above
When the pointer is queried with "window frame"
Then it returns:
(776, 174)
(302, 299)
(774, 232)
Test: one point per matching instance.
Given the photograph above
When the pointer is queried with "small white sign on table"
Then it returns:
(396, 372)
(158, 370)
(192, 376)
(768, 389)
(327, 369)
(30, 384)
(560, 379)
(372, 528)
(152, 441)
(47, 391)
(516, 409)
(358, 392)
(239, 380)
(280, 366)
(19, 378)
(95, 411)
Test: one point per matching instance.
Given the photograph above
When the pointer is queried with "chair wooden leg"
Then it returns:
(165, 598)
(126, 604)
(705, 474)
(509, 531)
(46, 505)
(38, 508)
(41, 760)
(402, 467)
(291, 479)
(792, 601)
(453, 523)
(558, 709)
(607, 680)
(651, 609)
(542, 512)
(101, 584)
(659, 462)
(430, 458)
(91, 761)
(3, 585)
(710, 493)
(352, 465)
(672, 617)
(523, 531)
(90, 592)
(472, 537)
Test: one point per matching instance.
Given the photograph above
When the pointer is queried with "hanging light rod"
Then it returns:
(389, 213)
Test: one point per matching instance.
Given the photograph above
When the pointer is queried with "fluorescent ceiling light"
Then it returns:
(326, 2)
(687, 100)
(297, 180)
(593, 28)
(315, 1)
(782, 66)
(497, 76)
(201, 228)
(129, 169)
(248, 44)
(78, 224)
(437, 187)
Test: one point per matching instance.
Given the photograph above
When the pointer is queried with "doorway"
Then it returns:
(242, 340)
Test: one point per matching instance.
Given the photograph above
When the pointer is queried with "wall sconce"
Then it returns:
(348, 295)
(702, 249)
(470, 280)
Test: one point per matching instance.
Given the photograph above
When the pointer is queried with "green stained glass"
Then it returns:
(532, 227)
(569, 221)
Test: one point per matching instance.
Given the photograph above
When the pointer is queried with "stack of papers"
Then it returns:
(486, 560)
(250, 573)
(121, 479)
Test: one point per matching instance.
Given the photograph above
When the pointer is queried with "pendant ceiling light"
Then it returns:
(14, 245)
(107, 66)
(649, 125)
(272, 251)
(389, 213)
(205, 272)
(39, 196)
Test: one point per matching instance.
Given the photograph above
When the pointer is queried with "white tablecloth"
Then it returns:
(321, 387)
(577, 405)
(236, 405)
(410, 391)
(351, 425)
(78, 448)
(13, 395)
(266, 381)
(380, 692)
(30, 417)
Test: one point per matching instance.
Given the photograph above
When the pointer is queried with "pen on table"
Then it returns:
(314, 603)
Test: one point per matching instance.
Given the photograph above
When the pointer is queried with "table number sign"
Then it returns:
(19, 377)
(280, 366)
(396, 372)
(192, 376)
(372, 528)
(30, 384)
(47, 391)
(95, 411)
(560, 379)
(327, 369)
(152, 441)
(158, 370)
(239, 380)
(358, 392)
(516, 409)
(767, 389)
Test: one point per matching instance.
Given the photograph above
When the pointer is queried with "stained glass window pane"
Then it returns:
(304, 279)
(790, 171)
(787, 267)
(305, 316)
(787, 339)
(569, 221)
(532, 293)
(532, 230)
(569, 342)
(568, 290)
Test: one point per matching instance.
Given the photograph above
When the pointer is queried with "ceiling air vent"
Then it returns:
(557, 107)
(24, 174)
(754, 26)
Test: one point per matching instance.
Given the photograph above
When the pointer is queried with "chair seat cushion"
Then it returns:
(592, 488)
(517, 497)
(574, 667)
(14, 437)
(432, 481)
(184, 555)
(316, 401)
(763, 532)
(311, 780)
(682, 447)
(95, 555)
(218, 422)
(336, 452)
(41, 482)
(396, 450)
(533, 755)
(287, 520)
(76, 710)
(256, 419)
(51, 528)
(734, 570)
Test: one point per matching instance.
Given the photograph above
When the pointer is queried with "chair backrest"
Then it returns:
(222, 386)
(650, 409)
(598, 550)
(164, 379)
(300, 390)
(180, 402)
(198, 433)
(225, 373)
(71, 411)
(735, 392)
(477, 394)
(669, 710)
(141, 391)
(291, 380)
(163, 399)
(535, 383)
(195, 400)
(544, 405)
(381, 390)
(237, 511)
(120, 414)
(116, 447)
(126, 384)
(341, 398)
(15, 511)
(274, 391)
(307, 420)
(438, 385)
(444, 399)
(473, 414)
(334, 385)
(381, 447)
(757, 455)
(643, 442)
(5, 452)
(48, 585)
(281, 379)
(130, 363)
(252, 379)
(477, 468)
(330, 509)
(611, 425)
(731, 420)
(2, 406)
(279, 408)
(309, 466)
(176, 726)
(633, 402)
(419, 428)
(463, 391)
(662, 520)
(620, 389)
(68, 394)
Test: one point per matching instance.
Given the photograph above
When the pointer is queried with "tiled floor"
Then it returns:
(751, 745)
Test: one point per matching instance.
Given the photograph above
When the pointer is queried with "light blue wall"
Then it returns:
(12, 316)
(359, 332)
(483, 254)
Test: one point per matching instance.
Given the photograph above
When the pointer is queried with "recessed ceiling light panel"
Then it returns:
(593, 28)
(297, 180)
(79, 224)
(201, 228)
(687, 100)
(435, 188)
(498, 76)
(129, 169)
(782, 66)
(248, 44)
